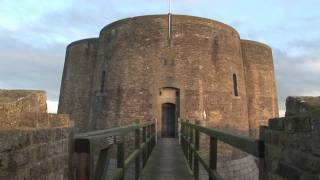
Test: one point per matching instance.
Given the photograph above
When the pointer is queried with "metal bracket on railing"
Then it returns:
(118, 139)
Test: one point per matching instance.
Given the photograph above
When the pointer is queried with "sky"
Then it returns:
(34, 35)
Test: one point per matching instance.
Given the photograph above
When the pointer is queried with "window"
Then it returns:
(235, 85)
(103, 77)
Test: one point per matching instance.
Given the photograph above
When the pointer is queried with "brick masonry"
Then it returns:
(124, 74)
(138, 59)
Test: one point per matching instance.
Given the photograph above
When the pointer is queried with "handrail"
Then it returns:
(190, 142)
(86, 144)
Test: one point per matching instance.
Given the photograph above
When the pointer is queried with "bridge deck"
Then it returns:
(166, 162)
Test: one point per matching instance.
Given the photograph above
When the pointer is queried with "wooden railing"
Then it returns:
(101, 141)
(190, 142)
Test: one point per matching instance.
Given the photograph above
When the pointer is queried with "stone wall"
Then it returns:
(292, 143)
(35, 153)
(14, 102)
(33, 144)
(33, 120)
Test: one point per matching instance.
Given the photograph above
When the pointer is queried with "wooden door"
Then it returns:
(168, 120)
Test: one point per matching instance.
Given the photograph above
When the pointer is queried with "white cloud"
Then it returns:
(282, 112)
(52, 106)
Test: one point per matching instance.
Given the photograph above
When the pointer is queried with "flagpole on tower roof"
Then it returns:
(169, 6)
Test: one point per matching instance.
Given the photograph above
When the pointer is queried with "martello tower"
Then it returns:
(168, 67)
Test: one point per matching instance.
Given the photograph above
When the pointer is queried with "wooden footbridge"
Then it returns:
(155, 158)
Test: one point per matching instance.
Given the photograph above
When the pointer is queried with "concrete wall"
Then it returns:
(292, 146)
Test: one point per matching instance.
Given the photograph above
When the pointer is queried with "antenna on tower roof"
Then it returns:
(169, 21)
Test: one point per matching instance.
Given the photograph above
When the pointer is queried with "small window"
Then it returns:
(235, 85)
(103, 78)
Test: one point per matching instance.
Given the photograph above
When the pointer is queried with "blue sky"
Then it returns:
(34, 35)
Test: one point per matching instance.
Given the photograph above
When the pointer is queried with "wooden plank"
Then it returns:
(120, 158)
(137, 147)
(84, 166)
(203, 160)
(215, 175)
(189, 147)
(166, 162)
(196, 158)
(123, 129)
(144, 151)
(133, 156)
(213, 156)
(117, 174)
(102, 164)
(145, 124)
(243, 143)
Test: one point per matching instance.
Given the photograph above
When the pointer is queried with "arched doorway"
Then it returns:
(168, 120)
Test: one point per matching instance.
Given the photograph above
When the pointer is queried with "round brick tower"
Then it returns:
(169, 66)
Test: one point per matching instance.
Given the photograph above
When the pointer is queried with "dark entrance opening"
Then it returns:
(168, 120)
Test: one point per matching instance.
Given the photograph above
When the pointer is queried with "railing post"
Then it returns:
(196, 149)
(187, 140)
(182, 136)
(84, 166)
(156, 130)
(261, 161)
(179, 130)
(190, 143)
(144, 155)
(149, 141)
(82, 148)
(137, 147)
(212, 157)
(120, 156)
(154, 136)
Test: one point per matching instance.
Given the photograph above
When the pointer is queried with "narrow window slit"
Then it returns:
(103, 77)
(235, 85)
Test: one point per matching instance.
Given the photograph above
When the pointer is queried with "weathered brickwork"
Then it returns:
(293, 143)
(33, 144)
(260, 83)
(111, 79)
(124, 74)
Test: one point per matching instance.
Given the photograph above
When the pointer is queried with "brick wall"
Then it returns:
(293, 143)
